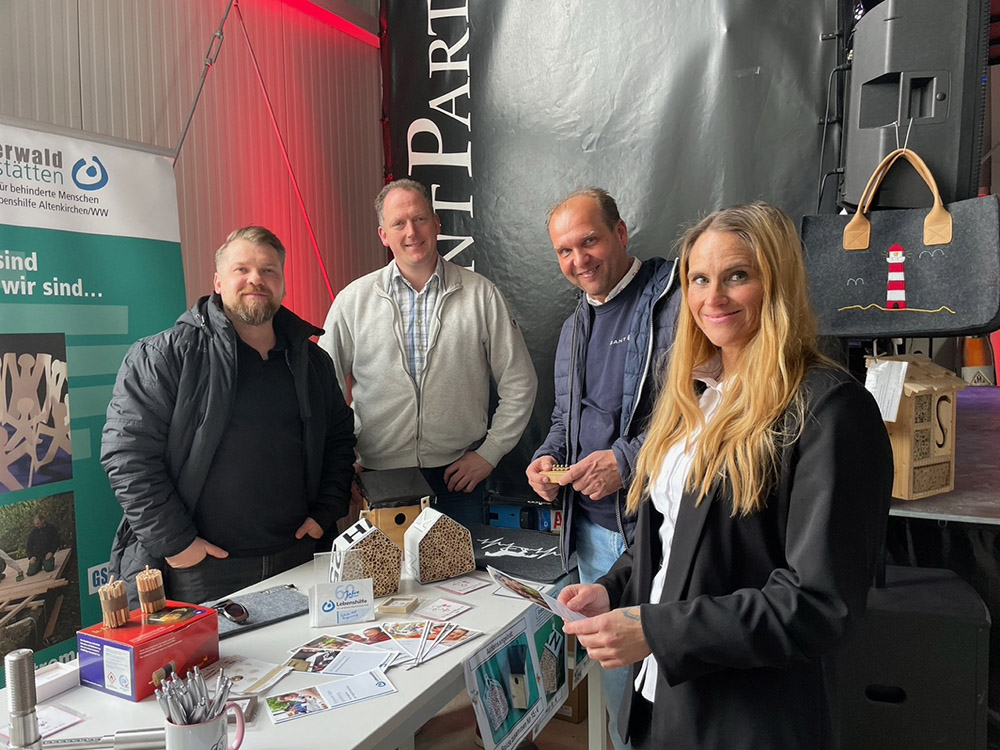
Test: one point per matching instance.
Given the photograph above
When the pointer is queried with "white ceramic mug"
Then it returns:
(209, 735)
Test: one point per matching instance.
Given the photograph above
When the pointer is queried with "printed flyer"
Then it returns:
(550, 643)
(504, 683)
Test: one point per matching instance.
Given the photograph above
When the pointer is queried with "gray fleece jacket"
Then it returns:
(472, 339)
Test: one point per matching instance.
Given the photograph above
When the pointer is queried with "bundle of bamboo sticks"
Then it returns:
(114, 603)
(151, 596)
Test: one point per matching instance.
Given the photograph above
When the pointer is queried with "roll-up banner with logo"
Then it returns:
(677, 108)
(89, 262)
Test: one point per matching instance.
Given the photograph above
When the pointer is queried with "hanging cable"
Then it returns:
(821, 180)
(284, 152)
(214, 47)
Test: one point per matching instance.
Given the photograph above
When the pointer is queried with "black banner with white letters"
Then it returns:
(676, 108)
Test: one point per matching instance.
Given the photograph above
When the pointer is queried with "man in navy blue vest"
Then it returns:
(611, 355)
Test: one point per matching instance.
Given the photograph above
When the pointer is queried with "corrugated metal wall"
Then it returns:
(130, 69)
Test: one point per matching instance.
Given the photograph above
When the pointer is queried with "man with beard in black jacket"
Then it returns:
(228, 442)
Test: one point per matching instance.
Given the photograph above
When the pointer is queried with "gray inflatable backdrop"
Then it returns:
(677, 108)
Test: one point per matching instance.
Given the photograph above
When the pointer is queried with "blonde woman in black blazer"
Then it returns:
(767, 472)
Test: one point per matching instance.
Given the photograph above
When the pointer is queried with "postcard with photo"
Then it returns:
(370, 636)
(407, 634)
(325, 642)
(298, 703)
(532, 594)
(376, 637)
(311, 659)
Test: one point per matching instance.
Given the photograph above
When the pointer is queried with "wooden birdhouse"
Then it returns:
(517, 659)
(393, 499)
(364, 551)
(923, 435)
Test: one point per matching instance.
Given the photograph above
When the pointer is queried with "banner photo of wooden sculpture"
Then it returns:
(550, 643)
(504, 683)
(35, 446)
(39, 574)
(906, 272)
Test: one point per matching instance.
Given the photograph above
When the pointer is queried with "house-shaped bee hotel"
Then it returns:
(364, 551)
(437, 547)
(923, 435)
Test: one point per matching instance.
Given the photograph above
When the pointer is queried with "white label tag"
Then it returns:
(118, 670)
(885, 382)
(341, 603)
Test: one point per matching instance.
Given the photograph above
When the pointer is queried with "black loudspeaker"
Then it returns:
(915, 673)
(925, 60)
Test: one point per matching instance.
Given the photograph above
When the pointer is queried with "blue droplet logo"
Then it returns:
(329, 606)
(94, 176)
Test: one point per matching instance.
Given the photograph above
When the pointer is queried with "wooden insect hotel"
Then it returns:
(551, 662)
(364, 551)
(437, 547)
(923, 435)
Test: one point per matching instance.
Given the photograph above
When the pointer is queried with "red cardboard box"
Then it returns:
(130, 661)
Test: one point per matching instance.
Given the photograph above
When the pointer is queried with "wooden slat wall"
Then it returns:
(130, 69)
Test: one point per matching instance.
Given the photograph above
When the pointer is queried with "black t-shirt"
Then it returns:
(254, 498)
(601, 412)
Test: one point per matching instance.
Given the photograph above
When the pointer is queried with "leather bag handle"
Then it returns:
(937, 223)
(858, 229)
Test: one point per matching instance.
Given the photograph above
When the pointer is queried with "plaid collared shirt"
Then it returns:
(416, 310)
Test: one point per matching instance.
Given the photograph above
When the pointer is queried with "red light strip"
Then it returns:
(332, 19)
(284, 152)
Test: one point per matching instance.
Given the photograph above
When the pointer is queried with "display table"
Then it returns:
(386, 722)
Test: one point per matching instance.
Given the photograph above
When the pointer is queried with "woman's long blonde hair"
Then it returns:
(743, 440)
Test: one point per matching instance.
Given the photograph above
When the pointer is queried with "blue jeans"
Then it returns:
(597, 549)
(464, 507)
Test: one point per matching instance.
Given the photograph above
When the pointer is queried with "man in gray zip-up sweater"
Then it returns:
(419, 341)
(609, 361)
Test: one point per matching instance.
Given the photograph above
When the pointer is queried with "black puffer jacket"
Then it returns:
(171, 404)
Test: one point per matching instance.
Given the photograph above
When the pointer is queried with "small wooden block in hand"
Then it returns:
(555, 473)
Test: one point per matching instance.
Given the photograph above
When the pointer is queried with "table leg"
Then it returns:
(597, 732)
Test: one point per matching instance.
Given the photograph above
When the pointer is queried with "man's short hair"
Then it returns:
(609, 209)
(403, 184)
(255, 235)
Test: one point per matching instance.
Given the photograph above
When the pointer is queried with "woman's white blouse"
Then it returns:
(665, 493)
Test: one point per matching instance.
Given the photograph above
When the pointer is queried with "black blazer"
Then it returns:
(750, 605)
